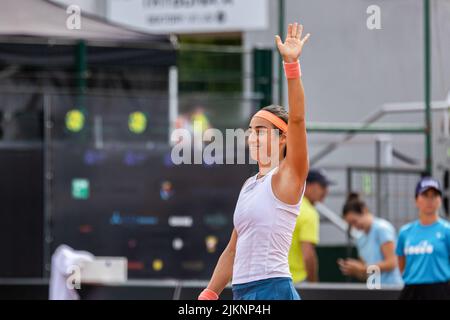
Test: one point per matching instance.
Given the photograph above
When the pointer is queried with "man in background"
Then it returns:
(303, 261)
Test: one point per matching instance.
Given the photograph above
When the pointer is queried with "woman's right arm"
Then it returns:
(224, 269)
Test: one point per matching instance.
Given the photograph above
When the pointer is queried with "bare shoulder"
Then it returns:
(287, 186)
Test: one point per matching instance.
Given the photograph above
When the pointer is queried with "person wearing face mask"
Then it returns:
(376, 246)
(423, 247)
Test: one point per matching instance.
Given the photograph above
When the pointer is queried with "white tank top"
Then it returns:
(264, 225)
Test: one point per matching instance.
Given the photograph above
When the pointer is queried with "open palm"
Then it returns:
(292, 47)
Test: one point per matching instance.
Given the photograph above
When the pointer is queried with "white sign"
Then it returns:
(190, 16)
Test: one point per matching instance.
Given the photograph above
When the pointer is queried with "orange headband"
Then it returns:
(276, 121)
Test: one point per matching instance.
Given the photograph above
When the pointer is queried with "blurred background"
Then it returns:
(91, 90)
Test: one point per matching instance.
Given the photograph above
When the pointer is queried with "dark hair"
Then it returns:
(354, 204)
(281, 113)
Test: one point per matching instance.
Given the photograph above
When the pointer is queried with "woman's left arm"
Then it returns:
(288, 182)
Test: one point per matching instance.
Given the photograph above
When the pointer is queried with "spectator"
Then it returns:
(376, 246)
(423, 248)
(303, 260)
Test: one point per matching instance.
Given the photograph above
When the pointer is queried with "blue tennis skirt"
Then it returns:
(267, 289)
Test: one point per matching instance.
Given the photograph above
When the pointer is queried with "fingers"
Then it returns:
(346, 272)
(278, 41)
(344, 269)
(294, 30)
(342, 262)
(298, 35)
(305, 39)
(289, 32)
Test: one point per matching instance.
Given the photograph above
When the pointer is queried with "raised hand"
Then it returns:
(292, 47)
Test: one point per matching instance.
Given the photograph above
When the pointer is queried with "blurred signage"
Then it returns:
(190, 16)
